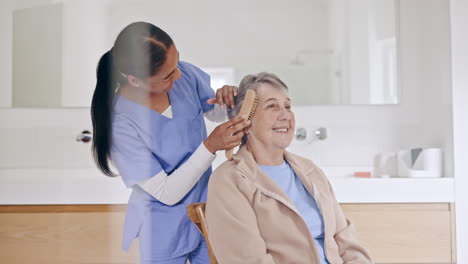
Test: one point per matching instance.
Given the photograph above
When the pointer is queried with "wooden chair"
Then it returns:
(196, 213)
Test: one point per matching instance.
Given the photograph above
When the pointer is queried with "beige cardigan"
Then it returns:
(251, 220)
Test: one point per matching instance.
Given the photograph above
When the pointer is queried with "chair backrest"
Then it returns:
(196, 213)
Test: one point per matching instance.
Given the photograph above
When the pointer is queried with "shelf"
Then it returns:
(394, 190)
(48, 186)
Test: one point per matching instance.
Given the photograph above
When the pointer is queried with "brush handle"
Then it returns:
(247, 109)
(229, 154)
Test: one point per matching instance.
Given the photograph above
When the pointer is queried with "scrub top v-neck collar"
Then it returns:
(137, 110)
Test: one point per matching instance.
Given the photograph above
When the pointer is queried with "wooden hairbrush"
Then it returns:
(248, 108)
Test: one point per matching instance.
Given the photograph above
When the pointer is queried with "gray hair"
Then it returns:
(252, 82)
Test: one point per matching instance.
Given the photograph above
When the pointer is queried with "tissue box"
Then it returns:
(420, 163)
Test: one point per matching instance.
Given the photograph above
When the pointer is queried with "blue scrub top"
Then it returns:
(144, 143)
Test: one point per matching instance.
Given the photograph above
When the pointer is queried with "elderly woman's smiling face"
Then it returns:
(273, 122)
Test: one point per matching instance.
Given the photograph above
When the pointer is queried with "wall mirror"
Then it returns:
(327, 51)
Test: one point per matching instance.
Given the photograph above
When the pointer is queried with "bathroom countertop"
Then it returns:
(46, 186)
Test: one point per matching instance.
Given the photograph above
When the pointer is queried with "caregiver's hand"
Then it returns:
(227, 135)
(225, 96)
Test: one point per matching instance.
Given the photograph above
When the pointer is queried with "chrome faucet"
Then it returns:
(85, 136)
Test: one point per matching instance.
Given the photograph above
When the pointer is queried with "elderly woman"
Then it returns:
(270, 206)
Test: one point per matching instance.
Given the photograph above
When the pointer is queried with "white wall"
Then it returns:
(6, 48)
(459, 20)
(46, 137)
(221, 29)
(358, 63)
(423, 117)
(37, 56)
(86, 39)
(6, 27)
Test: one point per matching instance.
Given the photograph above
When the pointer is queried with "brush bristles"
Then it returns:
(253, 109)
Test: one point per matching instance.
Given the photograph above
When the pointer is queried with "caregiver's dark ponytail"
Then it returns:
(101, 112)
(139, 50)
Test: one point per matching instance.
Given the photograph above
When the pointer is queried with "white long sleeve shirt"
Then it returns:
(170, 190)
